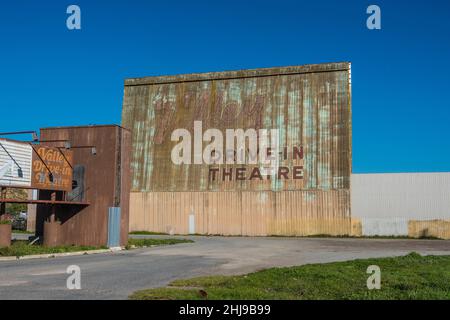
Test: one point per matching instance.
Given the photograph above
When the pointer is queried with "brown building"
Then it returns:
(101, 181)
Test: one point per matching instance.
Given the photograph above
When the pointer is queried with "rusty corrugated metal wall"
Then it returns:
(106, 183)
(310, 105)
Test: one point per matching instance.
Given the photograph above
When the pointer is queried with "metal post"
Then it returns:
(53, 214)
(2, 205)
(53, 209)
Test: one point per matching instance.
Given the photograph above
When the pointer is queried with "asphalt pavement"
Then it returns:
(116, 275)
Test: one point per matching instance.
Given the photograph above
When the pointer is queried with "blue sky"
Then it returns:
(51, 76)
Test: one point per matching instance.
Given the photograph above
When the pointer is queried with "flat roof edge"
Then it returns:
(85, 126)
(239, 74)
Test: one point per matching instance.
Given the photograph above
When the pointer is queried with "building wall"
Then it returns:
(106, 183)
(290, 213)
(310, 105)
(31, 211)
(401, 204)
(15, 163)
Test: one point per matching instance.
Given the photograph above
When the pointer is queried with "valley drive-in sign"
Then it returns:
(52, 169)
(35, 166)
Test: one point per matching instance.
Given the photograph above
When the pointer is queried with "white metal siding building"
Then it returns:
(399, 203)
(15, 163)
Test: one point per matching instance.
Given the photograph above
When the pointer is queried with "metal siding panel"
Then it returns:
(387, 203)
(403, 195)
(90, 225)
(241, 213)
(311, 105)
(114, 227)
(22, 155)
(309, 109)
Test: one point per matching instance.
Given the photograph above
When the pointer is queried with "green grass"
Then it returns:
(22, 248)
(152, 233)
(147, 233)
(372, 237)
(154, 242)
(408, 277)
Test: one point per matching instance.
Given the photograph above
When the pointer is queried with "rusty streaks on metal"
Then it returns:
(310, 105)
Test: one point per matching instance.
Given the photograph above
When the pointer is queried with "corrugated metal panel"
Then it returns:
(430, 228)
(311, 107)
(295, 213)
(113, 227)
(106, 179)
(401, 195)
(15, 163)
(387, 203)
(394, 226)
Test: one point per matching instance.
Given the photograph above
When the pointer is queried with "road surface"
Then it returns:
(117, 275)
